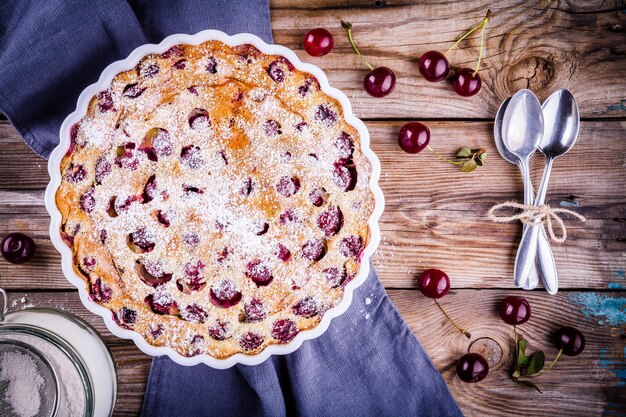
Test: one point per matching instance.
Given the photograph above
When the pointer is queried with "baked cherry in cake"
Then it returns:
(215, 200)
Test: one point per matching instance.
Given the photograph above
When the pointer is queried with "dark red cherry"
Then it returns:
(88, 201)
(133, 91)
(317, 196)
(514, 310)
(570, 340)
(272, 128)
(162, 303)
(283, 253)
(17, 248)
(125, 317)
(224, 294)
(313, 250)
(318, 42)
(199, 119)
(414, 137)
(194, 313)
(259, 273)
(287, 217)
(253, 311)
(350, 246)
(149, 190)
(344, 145)
(345, 175)
(465, 83)
(152, 273)
(250, 341)
(335, 276)
(219, 331)
(330, 221)
(379, 82)
(433, 283)
(211, 65)
(434, 66)
(284, 330)
(288, 186)
(472, 367)
(140, 241)
(306, 307)
(191, 155)
(98, 291)
(325, 114)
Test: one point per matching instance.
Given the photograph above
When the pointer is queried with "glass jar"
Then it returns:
(81, 362)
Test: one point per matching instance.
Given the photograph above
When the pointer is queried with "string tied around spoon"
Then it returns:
(531, 214)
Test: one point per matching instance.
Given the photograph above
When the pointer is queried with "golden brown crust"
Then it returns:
(189, 177)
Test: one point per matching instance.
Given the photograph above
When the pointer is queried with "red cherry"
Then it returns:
(414, 137)
(434, 66)
(514, 310)
(472, 368)
(224, 294)
(284, 330)
(465, 83)
(253, 311)
(379, 82)
(433, 283)
(318, 42)
(17, 248)
(570, 340)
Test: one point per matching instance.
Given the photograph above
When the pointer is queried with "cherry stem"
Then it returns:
(480, 25)
(482, 42)
(461, 330)
(444, 159)
(348, 27)
(516, 348)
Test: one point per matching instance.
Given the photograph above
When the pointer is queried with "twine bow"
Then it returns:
(530, 215)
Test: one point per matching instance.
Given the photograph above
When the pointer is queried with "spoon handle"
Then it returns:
(547, 265)
(530, 281)
(530, 239)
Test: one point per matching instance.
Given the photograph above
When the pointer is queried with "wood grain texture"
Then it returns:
(583, 386)
(434, 215)
(541, 45)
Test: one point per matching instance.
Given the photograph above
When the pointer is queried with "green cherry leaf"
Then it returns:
(482, 156)
(529, 384)
(536, 364)
(464, 152)
(346, 25)
(468, 166)
(516, 375)
(522, 360)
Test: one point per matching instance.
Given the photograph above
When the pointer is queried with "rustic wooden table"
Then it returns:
(435, 215)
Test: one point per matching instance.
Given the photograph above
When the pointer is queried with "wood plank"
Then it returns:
(536, 44)
(529, 44)
(585, 385)
(434, 217)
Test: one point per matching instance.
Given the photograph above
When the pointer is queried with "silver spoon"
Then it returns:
(522, 130)
(531, 281)
(561, 131)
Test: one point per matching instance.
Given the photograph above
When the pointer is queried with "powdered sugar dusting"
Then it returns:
(243, 149)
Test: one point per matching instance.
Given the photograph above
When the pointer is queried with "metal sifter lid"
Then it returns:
(28, 383)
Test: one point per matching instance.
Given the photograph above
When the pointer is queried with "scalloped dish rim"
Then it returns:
(66, 253)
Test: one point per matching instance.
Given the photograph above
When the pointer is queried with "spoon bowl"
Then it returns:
(497, 134)
(561, 124)
(522, 125)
